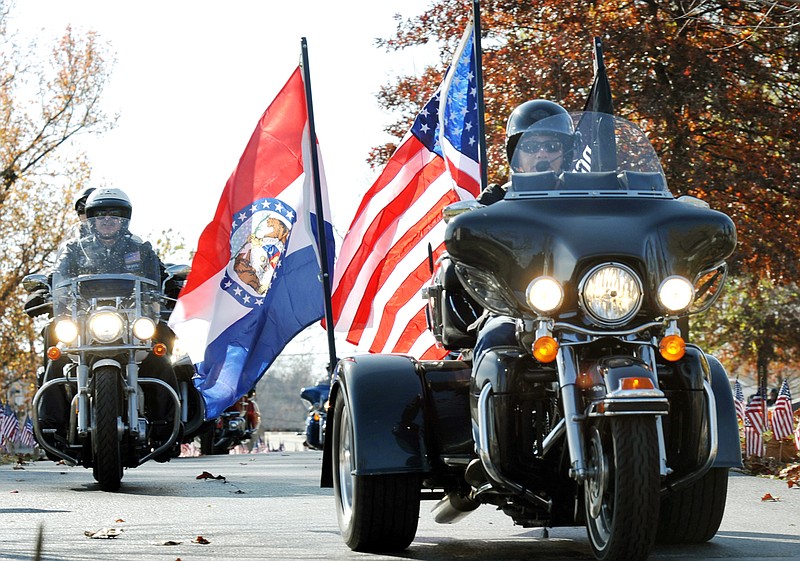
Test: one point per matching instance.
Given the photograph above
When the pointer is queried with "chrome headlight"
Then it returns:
(106, 326)
(144, 328)
(544, 294)
(675, 294)
(611, 293)
(66, 330)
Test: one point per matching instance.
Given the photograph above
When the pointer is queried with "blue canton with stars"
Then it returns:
(240, 231)
(461, 110)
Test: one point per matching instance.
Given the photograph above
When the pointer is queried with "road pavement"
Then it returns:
(270, 506)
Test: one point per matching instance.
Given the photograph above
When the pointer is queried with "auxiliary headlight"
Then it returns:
(144, 328)
(675, 294)
(66, 330)
(611, 293)
(544, 294)
(106, 326)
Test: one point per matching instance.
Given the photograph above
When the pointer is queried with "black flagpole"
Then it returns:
(322, 243)
(476, 29)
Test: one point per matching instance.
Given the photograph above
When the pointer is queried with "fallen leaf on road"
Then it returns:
(171, 542)
(769, 497)
(14, 491)
(206, 475)
(201, 540)
(106, 533)
(119, 521)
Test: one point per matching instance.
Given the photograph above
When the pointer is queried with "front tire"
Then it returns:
(621, 494)
(105, 432)
(375, 512)
(693, 514)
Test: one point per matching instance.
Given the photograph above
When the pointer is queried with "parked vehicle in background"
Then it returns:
(316, 418)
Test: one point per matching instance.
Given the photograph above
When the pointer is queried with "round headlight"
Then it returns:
(66, 330)
(106, 326)
(544, 294)
(611, 294)
(675, 294)
(144, 328)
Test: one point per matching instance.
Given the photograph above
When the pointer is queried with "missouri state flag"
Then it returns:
(256, 278)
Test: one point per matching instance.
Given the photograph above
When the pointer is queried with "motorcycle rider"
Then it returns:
(107, 246)
(531, 146)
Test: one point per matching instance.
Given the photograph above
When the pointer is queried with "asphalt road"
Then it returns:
(270, 506)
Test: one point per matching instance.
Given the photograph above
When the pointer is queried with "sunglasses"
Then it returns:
(108, 213)
(533, 146)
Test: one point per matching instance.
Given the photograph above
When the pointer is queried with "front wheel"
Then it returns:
(693, 514)
(375, 512)
(621, 493)
(105, 432)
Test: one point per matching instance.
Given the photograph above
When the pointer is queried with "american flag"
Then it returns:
(25, 437)
(8, 425)
(738, 400)
(383, 262)
(782, 419)
(753, 442)
(756, 411)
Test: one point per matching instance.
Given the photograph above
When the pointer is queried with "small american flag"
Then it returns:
(753, 442)
(782, 419)
(8, 425)
(25, 437)
(756, 411)
(738, 401)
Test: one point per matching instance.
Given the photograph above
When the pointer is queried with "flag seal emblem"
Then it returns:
(259, 235)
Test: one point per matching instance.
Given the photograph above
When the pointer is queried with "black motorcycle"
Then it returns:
(238, 424)
(600, 413)
(107, 335)
(317, 398)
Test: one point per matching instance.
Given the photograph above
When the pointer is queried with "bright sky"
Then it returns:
(192, 78)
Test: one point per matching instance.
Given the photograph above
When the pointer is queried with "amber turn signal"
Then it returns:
(159, 349)
(54, 353)
(672, 347)
(545, 349)
(636, 383)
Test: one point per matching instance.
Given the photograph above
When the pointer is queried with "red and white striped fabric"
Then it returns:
(782, 418)
(383, 263)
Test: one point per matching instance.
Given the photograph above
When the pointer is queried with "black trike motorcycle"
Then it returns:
(600, 413)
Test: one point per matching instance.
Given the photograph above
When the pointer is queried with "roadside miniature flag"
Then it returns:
(738, 400)
(756, 411)
(753, 442)
(782, 418)
(8, 425)
(25, 437)
(383, 262)
(256, 278)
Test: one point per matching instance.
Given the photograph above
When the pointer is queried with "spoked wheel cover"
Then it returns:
(597, 493)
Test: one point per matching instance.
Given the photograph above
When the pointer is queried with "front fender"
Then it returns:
(729, 453)
(386, 397)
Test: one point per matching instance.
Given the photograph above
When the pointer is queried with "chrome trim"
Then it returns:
(583, 331)
(570, 400)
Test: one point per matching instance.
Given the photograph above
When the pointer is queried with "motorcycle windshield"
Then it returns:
(100, 263)
(584, 152)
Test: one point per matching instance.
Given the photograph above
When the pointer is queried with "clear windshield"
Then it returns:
(100, 263)
(601, 144)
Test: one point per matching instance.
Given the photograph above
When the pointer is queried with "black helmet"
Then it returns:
(107, 198)
(525, 116)
(80, 201)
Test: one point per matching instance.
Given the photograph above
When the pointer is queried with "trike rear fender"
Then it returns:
(385, 395)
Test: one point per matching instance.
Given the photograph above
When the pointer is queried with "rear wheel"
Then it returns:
(105, 432)
(375, 512)
(621, 494)
(693, 514)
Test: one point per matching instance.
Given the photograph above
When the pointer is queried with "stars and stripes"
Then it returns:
(782, 419)
(738, 400)
(756, 411)
(383, 262)
(8, 425)
(25, 437)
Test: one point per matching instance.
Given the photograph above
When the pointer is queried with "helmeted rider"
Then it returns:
(80, 202)
(107, 246)
(539, 137)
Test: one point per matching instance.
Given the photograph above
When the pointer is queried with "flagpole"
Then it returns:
(322, 241)
(476, 29)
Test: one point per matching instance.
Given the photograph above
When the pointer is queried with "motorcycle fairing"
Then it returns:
(519, 240)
